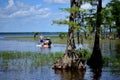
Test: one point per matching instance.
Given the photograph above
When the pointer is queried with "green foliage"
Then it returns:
(107, 16)
(115, 12)
(70, 10)
(65, 22)
(84, 54)
(73, 10)
(35, 34)
(62, 35)
(59, 22)
(113, 62)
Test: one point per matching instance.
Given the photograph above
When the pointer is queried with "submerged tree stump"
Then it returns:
(70, 60)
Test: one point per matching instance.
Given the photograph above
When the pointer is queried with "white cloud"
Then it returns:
(10, 4)
(89, 6)
(19, 9)
(57, 1)
(31, 12)
(86, 6)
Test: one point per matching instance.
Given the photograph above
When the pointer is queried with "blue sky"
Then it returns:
(33, 15)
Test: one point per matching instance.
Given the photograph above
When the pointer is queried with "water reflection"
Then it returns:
(96, 73)
(111, 48)
(4, 65)
(45, 50)
(117, 49)
(96, 68)
(70, 75)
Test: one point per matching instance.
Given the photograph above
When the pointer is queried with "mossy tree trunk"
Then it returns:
(70, 60)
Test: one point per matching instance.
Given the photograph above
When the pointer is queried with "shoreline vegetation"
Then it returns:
(57, 40)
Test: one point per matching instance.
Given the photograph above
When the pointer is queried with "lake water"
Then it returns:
(11, 44)
(22, 69)
(28, 46)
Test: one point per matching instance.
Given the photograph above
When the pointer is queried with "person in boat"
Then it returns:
(45, 42)
(41, 40)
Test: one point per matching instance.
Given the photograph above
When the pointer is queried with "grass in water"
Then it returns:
(36, 58)
(48, 59)
(112, 62)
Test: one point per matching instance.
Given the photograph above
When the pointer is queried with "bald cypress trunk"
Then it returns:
(96, 57)
(70, 38)
(70, 59)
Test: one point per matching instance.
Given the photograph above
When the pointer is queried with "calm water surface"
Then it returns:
(25, 69)
(28, 46)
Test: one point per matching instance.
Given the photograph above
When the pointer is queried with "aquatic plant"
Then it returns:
(48, 59)
(84, 53)
(36, 58)
(113, 62)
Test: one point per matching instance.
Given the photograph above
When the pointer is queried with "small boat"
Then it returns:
(47, 43)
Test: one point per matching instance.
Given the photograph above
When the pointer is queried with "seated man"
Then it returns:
(47, 43)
